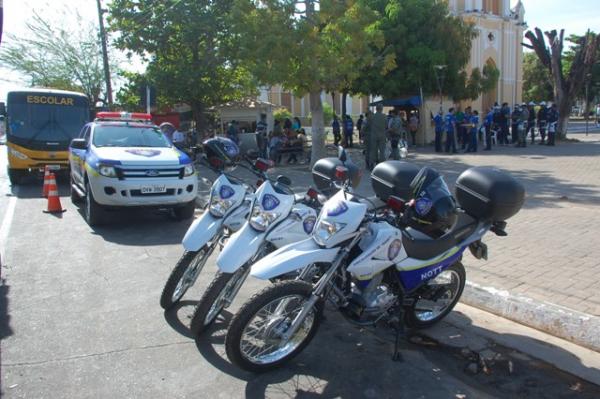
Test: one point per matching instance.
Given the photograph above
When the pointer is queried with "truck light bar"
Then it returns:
(123, 116)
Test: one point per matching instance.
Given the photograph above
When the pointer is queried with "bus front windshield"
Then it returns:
(46, 123)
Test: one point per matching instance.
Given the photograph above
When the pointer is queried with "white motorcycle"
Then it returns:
(229, 205)
(372, 270)
(278, 218)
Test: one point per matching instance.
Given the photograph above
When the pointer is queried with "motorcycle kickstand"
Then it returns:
(400, 333)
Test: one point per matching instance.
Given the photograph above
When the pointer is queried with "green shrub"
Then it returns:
(327, 114)
(281, 114)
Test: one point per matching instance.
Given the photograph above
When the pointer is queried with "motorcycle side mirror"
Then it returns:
(342, 154)
(284, 180)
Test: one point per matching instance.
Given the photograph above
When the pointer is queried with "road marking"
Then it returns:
(5, 228)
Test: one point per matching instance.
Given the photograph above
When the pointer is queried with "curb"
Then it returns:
(580, 328)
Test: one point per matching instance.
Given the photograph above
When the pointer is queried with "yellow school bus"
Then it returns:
(39, 127)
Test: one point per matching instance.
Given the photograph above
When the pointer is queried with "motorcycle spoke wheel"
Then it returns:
(189, 276)
(262, 338)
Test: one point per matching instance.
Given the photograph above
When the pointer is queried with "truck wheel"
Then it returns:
(15, 176)
(186, 211)
(93, 211)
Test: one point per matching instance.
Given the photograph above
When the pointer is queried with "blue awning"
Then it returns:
(414, 101)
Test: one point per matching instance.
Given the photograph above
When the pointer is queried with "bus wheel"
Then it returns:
(15, 176)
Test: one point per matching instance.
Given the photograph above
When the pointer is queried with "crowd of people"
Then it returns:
(500, 126)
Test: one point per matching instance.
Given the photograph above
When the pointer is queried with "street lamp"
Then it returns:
(440, 71)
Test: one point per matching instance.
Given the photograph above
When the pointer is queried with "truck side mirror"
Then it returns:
(78, 144)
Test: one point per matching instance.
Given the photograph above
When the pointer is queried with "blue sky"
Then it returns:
(574, 16)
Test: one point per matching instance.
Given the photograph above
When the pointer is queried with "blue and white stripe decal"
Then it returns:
(184, 159)
(411, 279)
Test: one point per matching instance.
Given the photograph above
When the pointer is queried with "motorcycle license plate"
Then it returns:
(153, 189)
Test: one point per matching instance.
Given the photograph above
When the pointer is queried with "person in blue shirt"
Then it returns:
(474, 126)
(438, 121)
(450, 129)
(348, 130)
(489, 120)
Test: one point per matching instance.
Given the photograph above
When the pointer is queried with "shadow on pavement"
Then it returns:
(174, 317)
(346, 361)
(5, 329)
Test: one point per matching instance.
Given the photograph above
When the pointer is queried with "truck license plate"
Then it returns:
(153, 189)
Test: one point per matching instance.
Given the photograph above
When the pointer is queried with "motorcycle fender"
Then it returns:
(292, 257)
(201, 231)
(240, 248)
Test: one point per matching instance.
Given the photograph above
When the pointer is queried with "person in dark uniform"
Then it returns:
(504, 122)
(514, 129)
(489, 120)
(531, 122)
(542, 121)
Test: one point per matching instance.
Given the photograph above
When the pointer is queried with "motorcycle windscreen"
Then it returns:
(292, 257)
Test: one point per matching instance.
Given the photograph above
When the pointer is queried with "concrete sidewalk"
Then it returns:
(546, 273)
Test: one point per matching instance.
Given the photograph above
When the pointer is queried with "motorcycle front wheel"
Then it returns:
(183, 276)
(442, 294)
(254, 340)
(216, 297)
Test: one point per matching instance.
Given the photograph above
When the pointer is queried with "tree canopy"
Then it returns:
(420, 34)
(536, 80)
(190, 48)
(55, 56)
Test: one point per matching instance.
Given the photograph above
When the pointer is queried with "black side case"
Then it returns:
(393, 178)
(489, 194)
(323, 174)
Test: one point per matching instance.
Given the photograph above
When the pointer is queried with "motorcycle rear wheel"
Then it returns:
(422, 316)
(252, 339)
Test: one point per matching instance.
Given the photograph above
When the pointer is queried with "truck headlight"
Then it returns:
(325, 230)
(107, 170)
(188, 170)
(260, 219)
(17, 154)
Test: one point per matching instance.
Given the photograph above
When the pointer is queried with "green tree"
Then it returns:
(567, 81)
(191, 50)
(536, 79)
(309, 47)
(420, 34)
(54, 55)
(591, 82)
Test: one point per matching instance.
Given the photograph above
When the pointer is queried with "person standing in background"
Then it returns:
(348, 130)
(531, 122)
(489, 120)
(359, 124)
(395, 133)
(542, 120)
(335, 126)
(261, 135)
(377, 129)
(413, 127)
(366, 136)
(504, 122)
(438, 121)
(552, 122)
(450, 128)
(473, 127)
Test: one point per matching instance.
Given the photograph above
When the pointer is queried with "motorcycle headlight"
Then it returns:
(17, 154)
(325, 230)
(188, 170)
(106, 170)
(219, 206)
(260, 220)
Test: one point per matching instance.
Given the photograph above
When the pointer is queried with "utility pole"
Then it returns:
(109, 97)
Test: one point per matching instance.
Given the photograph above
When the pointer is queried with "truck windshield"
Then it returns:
(128, 136)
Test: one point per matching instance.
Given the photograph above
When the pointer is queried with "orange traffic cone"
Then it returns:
(46, 182)
(53, 198)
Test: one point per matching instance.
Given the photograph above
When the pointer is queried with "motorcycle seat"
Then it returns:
(419, 246)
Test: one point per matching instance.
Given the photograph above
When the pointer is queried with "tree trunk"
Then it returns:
(200, 120)
(344, 96)
(317, 127)
(561, 128)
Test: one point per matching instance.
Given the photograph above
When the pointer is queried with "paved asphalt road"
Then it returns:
(79, 318)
